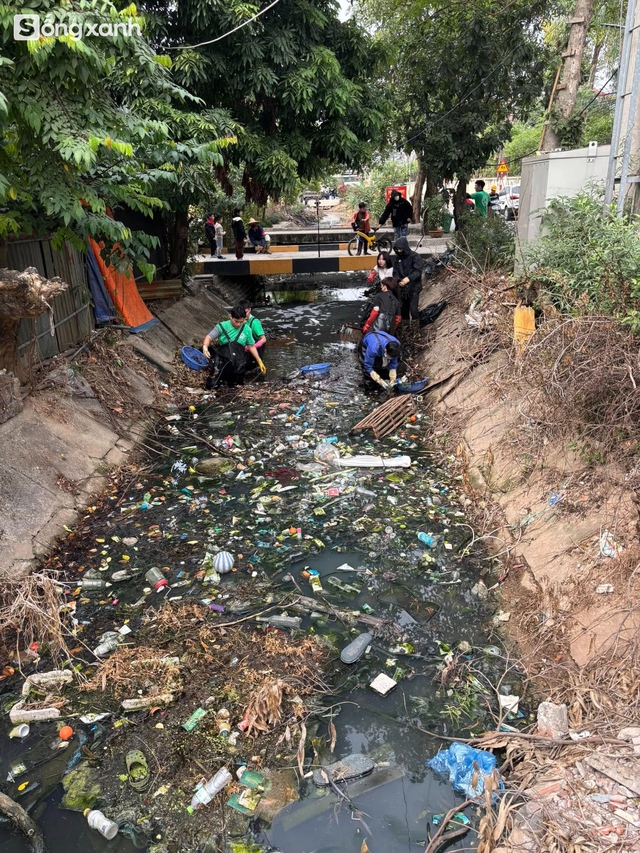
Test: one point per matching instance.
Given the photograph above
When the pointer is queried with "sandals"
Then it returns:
(137, 770)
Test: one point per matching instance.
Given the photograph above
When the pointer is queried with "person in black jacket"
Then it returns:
(239, 233)
(407, 271)
(210, 233)
(401, 213)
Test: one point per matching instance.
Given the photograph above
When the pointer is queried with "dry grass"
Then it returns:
(133, 671)
(31, 611)
(582, 374)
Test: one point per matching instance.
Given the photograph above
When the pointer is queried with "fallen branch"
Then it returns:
(441, 837)
(21, 820)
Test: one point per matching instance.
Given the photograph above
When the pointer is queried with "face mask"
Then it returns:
(399, 253)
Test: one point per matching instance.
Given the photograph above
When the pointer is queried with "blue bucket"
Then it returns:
(193, 358)
(316, 369)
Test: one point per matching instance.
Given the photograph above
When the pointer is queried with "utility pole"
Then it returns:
(567, 90)
(624, 157)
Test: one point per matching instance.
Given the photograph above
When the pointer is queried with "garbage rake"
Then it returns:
(389, 416)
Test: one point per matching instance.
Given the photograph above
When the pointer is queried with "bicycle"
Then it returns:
(380, 244)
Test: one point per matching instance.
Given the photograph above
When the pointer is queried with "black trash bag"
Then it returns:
(431, 313)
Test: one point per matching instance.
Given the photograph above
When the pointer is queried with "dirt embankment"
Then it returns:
(554, 517)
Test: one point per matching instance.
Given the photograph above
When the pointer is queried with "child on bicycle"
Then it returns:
(360, 221)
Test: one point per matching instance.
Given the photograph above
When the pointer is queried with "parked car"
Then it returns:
(511, 202)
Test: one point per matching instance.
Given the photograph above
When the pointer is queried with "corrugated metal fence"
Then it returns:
(72, 312)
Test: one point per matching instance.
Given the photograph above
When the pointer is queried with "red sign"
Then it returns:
(402, 189)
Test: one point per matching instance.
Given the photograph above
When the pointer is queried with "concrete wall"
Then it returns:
(552, 175)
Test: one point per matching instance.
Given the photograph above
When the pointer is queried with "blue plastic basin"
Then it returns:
(193, 358)
(316, 369)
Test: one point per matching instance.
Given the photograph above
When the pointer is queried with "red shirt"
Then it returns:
(362, 220)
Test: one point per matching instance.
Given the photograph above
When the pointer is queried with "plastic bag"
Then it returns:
(463, 763)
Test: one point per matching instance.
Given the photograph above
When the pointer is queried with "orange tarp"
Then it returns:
(124, 294)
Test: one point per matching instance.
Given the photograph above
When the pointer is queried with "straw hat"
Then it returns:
(252, 221)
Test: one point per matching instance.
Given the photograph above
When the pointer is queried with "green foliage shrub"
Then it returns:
(488, 243)
(588, 259)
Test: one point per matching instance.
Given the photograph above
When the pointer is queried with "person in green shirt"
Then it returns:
(480, 198)
(254, 324)
(231, 337)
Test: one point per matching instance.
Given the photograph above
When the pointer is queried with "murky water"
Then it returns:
(368, 520)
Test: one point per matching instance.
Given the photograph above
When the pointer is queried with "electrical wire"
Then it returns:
(583, 110)
(463, 98)
(225, 35)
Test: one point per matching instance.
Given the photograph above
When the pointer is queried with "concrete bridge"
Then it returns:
(299, 255)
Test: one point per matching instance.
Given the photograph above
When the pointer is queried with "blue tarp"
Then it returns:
(462, 764)
(102, 304)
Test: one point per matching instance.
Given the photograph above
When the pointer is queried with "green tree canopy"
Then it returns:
(460, 72)
(299, 82)
(87, 124)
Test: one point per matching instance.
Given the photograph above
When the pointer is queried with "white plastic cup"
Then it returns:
(19, 731)
(96, 820)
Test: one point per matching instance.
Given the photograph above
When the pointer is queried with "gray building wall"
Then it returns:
(552, 175)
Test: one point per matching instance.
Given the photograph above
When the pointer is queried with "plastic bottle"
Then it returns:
(367, 492)
(426, 539)
(222, 721)
(281, 621)
(96, 820)
(208, 791)
(109, 642)
(93, 583)
(157, 580)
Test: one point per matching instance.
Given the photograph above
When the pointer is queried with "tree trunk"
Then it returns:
(432, 186)
(9, 327)
(178, 243)
(416, 201)
(20, 819)
(595, 58)
(459, 202)
(571, 74)
(22, 294)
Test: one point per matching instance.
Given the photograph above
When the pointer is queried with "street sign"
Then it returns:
(502, 169)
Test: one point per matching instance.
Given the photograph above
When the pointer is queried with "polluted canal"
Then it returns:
(250, 600)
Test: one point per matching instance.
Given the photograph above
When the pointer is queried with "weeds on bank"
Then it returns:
(31, 612)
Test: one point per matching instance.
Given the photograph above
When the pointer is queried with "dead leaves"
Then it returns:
(333, 736)
(265, 707)
(301, 748)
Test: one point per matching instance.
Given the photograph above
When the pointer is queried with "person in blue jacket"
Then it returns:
(380, 352)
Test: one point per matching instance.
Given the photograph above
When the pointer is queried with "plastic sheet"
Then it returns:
(464, 764)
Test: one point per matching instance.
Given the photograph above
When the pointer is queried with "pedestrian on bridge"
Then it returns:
(401, 213)
(239, 233)
(361, 221)
(220, 232)
(258, 237)
(210, 233)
